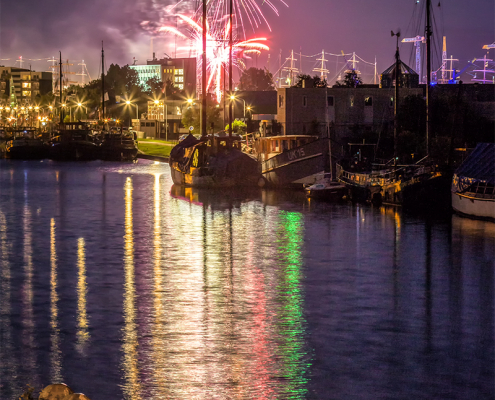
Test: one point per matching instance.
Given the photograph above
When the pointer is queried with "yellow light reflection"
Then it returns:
(82, 317)
(56, 353)
(158, 353)
(132, 386)
(28, 320)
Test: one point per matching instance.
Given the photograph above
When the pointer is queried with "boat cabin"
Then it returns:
(270, 146)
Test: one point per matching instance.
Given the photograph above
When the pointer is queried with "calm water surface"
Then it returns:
(124, 287)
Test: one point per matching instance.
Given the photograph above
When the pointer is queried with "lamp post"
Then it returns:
(128, 103)
(79, 105)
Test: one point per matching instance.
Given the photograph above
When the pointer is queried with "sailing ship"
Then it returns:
(473, 184)
(213, 160)
(420, 185)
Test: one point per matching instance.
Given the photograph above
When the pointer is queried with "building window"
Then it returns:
(330, 101)
(26, 93)
(179, 72)
(305, 101)
(26, 84)
(351, 99)
(368, 101)
(280, 100)
(391, 102)
(180, 86)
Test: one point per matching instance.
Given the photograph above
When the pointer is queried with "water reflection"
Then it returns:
(27, 320)
(8, 365)
(55, 352)
(82, 317)
(132, 385)
(265, 295)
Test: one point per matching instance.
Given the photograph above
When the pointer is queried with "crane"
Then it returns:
(456, 74)
(489, 46)
(417, 43)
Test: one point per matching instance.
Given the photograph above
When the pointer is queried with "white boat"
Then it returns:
(473, 184)
(326, 189)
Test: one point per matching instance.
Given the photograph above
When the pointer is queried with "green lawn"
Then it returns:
(151, 149)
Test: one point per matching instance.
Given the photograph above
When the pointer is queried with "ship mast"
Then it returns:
(428, 75)
(230, 72)
(61, 86)
(102, 83)
(203, 76)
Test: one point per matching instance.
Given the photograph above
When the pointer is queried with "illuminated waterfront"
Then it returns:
(121, 288)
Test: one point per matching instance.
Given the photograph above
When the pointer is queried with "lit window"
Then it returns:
(26, 93)
(179, 72)
(352, 101)
(181, 86)
(26, 84)
(368, 101)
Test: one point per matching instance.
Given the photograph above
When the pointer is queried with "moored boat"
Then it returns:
(118, 146)
(26, 145)
(292, 161)
(473, 184)
(74, 141)
(213, 161)
(326, 189)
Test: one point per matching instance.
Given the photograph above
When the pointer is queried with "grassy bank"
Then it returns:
(159, 149)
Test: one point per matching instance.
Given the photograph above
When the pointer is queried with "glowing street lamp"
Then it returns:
(128, 102)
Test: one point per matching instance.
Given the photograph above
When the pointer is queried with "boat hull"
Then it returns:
(468, 204)
(118, 153)
(227, 168)
(32, 151)
(333, 193)
(74, 151)
(297, 167)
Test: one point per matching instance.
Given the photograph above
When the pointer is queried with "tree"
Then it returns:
(191, 116)
(237, 127)
(351, 79)
(121, 81)
(256, 79)
(155, 87)
(314, 82)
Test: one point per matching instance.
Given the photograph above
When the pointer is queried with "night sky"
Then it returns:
(37, 30)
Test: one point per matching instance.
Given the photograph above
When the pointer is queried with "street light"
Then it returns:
(79, 105)
(128, 102)
(235, 98)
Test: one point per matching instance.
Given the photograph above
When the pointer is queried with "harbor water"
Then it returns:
(124, 287)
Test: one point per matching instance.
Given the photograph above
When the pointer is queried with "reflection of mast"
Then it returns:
(82, 317)
(28, 321)
(55, 353)
(132, 386)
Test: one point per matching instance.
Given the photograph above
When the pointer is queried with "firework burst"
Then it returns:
(245, 12)
(217, 50)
